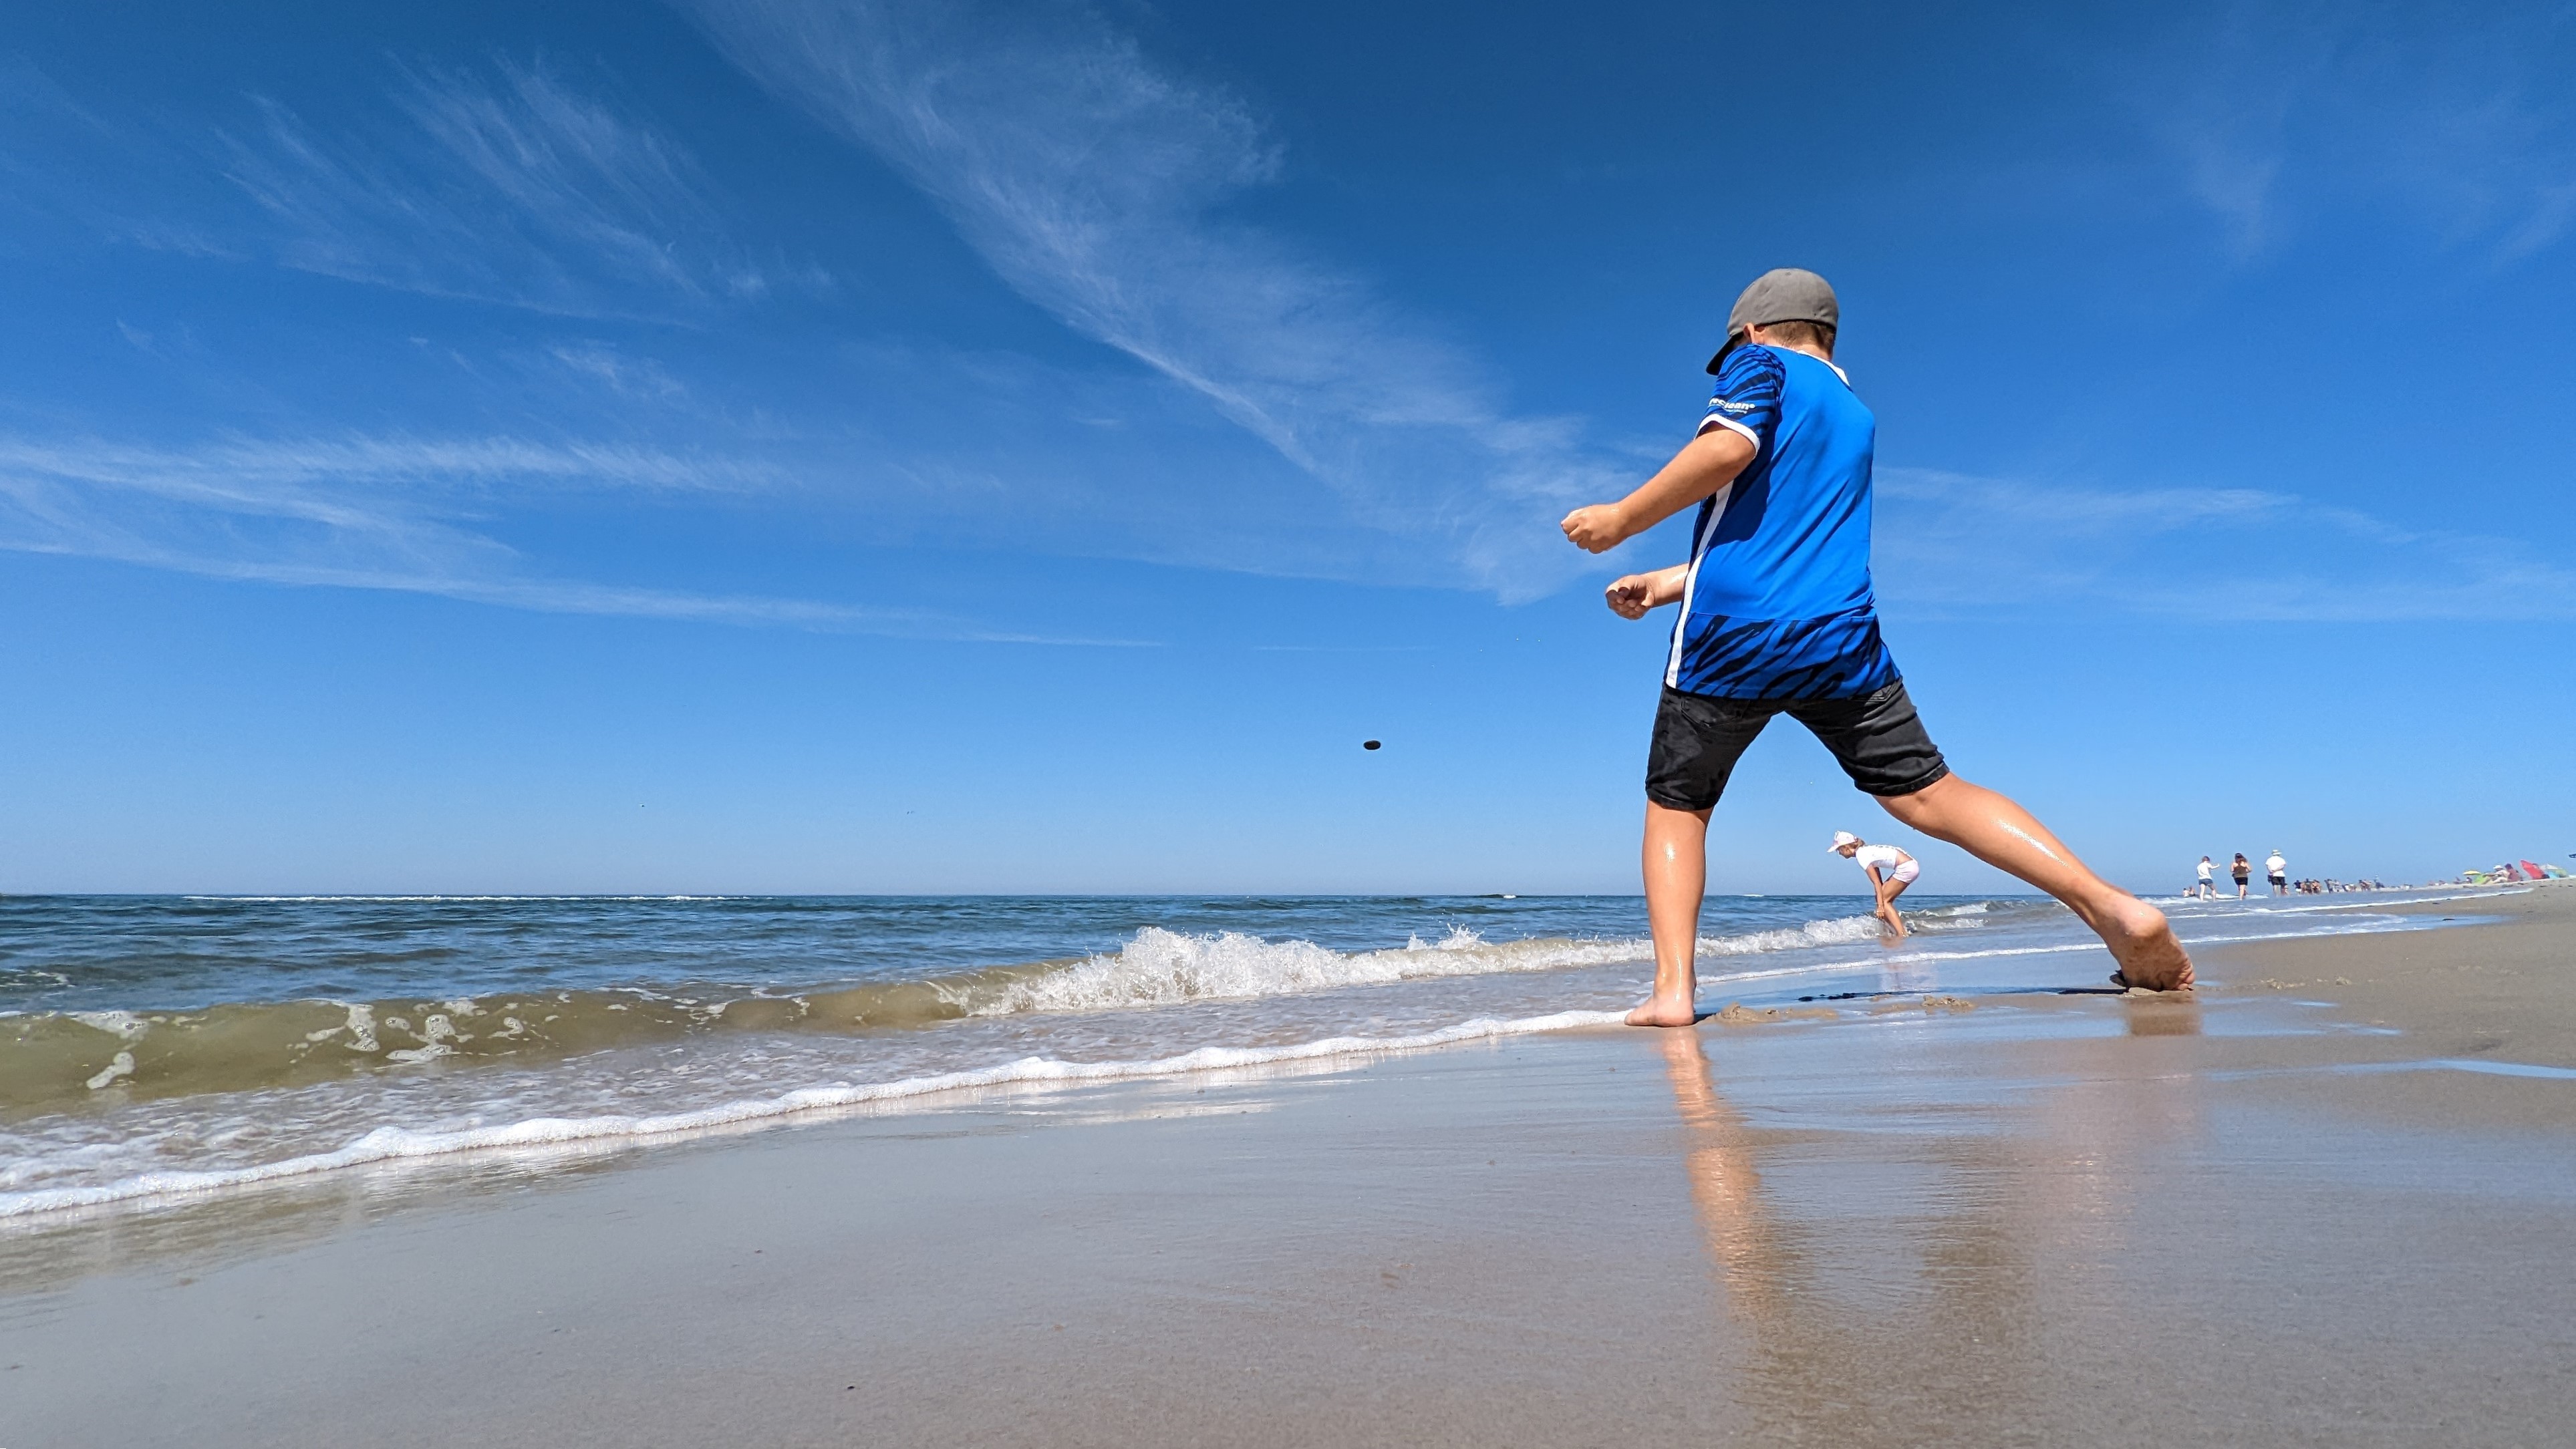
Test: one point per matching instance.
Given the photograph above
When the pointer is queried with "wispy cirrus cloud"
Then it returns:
(1951, 543)
(247, 470)
(2459, 117)
(387, 513)
(511, 188)
(623, 373)
(502, 182)
(1093, 181)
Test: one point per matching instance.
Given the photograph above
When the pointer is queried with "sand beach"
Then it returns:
(2327, 1201)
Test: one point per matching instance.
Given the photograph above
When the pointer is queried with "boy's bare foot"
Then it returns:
(2142, 941)
(1659, 1012)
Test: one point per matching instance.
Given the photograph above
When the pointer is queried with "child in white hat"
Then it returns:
(1889, 869)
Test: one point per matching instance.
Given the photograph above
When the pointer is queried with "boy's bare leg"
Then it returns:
(1676, 867)
(1992, 828)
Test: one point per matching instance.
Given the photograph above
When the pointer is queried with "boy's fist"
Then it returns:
(1595, 529)
(1632, 596)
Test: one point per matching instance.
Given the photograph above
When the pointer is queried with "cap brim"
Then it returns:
(1734, 340)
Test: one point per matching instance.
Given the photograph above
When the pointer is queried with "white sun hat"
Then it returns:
(1841, 839)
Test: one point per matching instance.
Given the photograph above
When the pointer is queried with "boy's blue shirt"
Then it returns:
(1777, 604)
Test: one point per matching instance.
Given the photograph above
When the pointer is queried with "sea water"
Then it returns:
(160, 1047)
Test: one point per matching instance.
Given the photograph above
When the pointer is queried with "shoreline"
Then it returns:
(2264, 1213)
(142, 1057)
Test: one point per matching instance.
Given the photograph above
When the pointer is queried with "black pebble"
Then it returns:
(1368, 744)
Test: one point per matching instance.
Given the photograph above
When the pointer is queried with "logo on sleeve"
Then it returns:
(1718, 404)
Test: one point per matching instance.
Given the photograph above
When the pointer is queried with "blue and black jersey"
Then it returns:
(1777, 604)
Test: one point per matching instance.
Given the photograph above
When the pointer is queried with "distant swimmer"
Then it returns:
(2208, 887)
(2242, 870)
(1777, 617)
(2277, 871)
(1889, 869)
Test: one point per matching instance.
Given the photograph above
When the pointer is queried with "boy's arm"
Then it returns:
(1631, 597)
(1703, 466)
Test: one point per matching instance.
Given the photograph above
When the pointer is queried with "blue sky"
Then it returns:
(813, 445)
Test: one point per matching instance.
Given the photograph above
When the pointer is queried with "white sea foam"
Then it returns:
(124, 1025)
(1165, 968)
(388, 1144)
(1833, 931)
(121, 1065)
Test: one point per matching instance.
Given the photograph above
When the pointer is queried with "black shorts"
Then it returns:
(1877, 739)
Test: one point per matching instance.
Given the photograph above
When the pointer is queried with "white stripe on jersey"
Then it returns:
(1749, 436)
(1690, 580)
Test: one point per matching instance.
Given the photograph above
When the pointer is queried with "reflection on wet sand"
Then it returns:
(1900, 1274)
(1725, 1184)
(2167, 1014)
(1799, 1379)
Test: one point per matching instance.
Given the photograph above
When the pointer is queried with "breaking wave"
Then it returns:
(53, 1060)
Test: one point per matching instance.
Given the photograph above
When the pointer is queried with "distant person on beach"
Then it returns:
(1889, 869)
(2208, 887)
(2277, 872)
(2243, 870)
(1777, 617)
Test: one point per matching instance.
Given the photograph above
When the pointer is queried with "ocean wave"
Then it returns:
(388, 1144)
(1162, 968)
(58, 1060)
(1165, 968)
(53, 1060)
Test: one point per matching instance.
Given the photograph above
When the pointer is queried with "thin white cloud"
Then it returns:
(2223, 102)
(1950, 543)
(627, 375)
(1092, 181)
(2548, 221)
(383, 513)
(249, 470)
(2459, 120)
(521, 191)
(34, 106)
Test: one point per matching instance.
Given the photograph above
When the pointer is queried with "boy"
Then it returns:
(1777, 617)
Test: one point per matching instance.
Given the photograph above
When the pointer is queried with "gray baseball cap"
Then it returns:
(1782, 294)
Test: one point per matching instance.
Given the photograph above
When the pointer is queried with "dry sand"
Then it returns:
(2262, 1217)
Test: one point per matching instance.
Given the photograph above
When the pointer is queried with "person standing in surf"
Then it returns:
(1889, 869)
(1777, 617)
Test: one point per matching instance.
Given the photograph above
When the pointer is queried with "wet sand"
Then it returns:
(2328, 1202)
